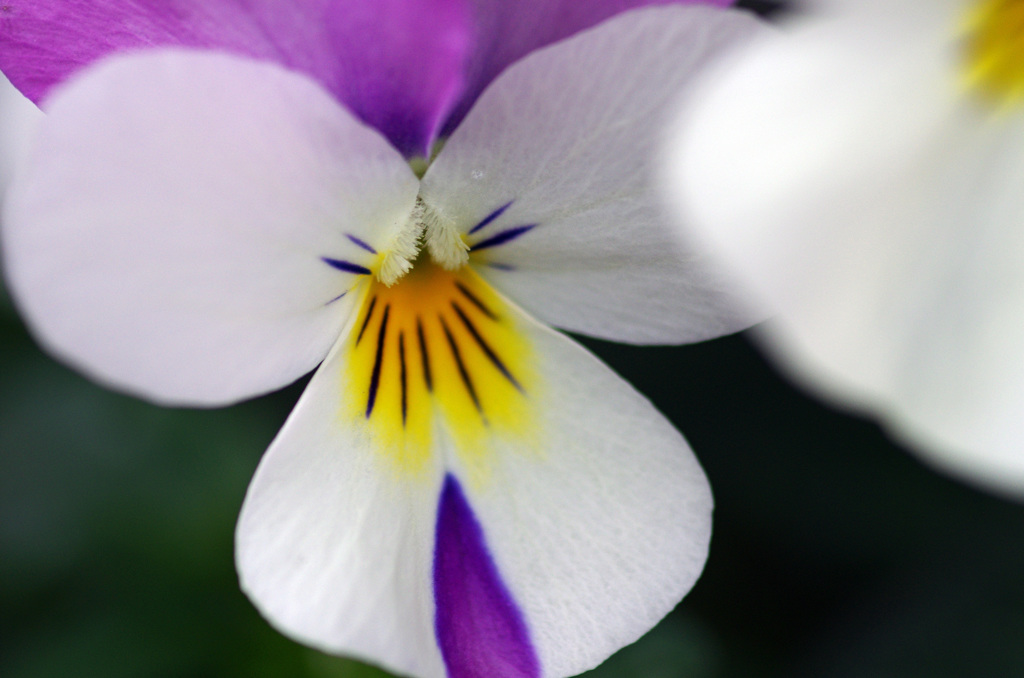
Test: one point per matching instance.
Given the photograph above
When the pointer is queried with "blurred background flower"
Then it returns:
(861, 170)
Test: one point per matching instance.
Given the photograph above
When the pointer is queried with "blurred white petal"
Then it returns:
(874, 204)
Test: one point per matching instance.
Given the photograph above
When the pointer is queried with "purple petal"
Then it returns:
(398, 64)
(507, 31)
(479, 627)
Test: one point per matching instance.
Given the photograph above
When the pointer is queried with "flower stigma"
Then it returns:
(443, 240)
(994, 50)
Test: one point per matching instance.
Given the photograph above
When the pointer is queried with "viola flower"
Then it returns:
(861, 171)
(460, 491)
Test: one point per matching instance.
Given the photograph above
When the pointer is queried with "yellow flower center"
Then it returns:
(994, 50)
(438, 360)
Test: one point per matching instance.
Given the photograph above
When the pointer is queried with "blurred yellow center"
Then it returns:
(995, 50)
(435, 361)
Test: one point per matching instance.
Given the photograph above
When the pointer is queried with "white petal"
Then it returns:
(333, 546)
(167, 234)
(567, 136)
(878, 209)
(601, 528)
(595, 515)
(18, 120)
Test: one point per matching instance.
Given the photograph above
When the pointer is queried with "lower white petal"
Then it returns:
(877, 208)
(550, 180)
(187, 223)
(463, 488)
(601, 524)
(334, 545)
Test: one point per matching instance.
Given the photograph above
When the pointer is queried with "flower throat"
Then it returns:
(437, 349)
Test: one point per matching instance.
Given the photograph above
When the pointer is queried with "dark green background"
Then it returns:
(834, 553)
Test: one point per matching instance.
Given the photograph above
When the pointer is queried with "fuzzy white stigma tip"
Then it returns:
(444, 242)
(402, 251)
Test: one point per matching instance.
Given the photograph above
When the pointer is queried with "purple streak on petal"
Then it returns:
(378, 361)
(346, 266)
(398, 64)
(361, 243)
(502, 237)
(508, 31)
(499, 266)
(491, 217)
(480, 630)
(336, 298)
